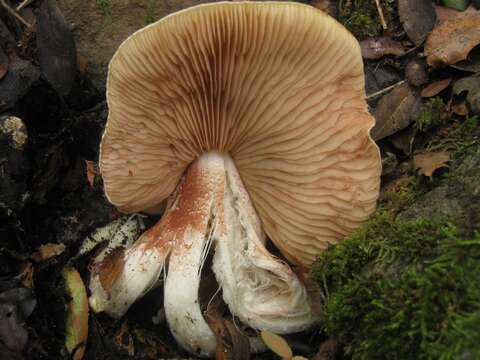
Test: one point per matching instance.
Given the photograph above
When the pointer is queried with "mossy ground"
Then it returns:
(411, 289)
(403, 290)
(362, 19)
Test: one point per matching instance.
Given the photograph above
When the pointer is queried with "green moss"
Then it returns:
(104, 6)
(361, 16)
(396, 200)
(432, 114)
(149, 11)
(403, 290)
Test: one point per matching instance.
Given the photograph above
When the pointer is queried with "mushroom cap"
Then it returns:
(277, 86)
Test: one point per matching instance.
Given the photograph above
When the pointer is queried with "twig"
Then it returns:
(14, 13)
(23, 4)
(380, 14)
(384, 90)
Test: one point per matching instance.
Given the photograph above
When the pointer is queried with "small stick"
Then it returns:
(384, 90)
(23, 4)
(14, 13)
(380, 14)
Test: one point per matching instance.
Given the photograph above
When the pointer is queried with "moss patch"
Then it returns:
(403, 290)
(361, 16)
(432, 114)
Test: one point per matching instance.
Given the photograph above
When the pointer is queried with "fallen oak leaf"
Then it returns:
(376, 48)
(427, 163)
(436, 87)
(452, 40)
(277, 344)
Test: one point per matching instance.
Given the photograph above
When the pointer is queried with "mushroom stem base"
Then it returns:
(259, 288)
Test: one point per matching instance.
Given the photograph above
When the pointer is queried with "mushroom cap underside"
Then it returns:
(277, 86)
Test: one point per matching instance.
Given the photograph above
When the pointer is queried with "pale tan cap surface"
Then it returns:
(278, 86)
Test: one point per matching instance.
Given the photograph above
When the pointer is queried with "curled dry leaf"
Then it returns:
(277, 344)
(395, 111)
(436, 87)
(427, 163)
(76, 324)
(48, 251)
(452, 40)
(418, 18)
(376, 48)
(92, 172)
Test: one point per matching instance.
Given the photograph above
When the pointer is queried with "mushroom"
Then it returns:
(250, 117)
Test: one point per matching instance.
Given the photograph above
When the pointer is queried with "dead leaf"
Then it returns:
(427, 163)
(48, 251)
(328, 350)
(92, 172)
(3, 63)
(376, 48)
(232, 344)
(298, 357)
(404, 139)
(16, 305)
(460, 109)
(76, 323)
(418, 18)
(452, 40)
(471, 85)
(395, 111)
(26, 275)
(436, 87)
(277, 344)
(472, 63)
(56, 48)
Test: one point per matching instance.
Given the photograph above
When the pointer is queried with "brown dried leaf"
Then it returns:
(232, 344)
(452, 40)
(328, 350)
(427, 163)
(56, 47)
(3, 63)
(375, 48)
(418, 18)
(460, 109)
(48, 251)
(91, 172)
(436, 87)
(395, 111)
(277, 344)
